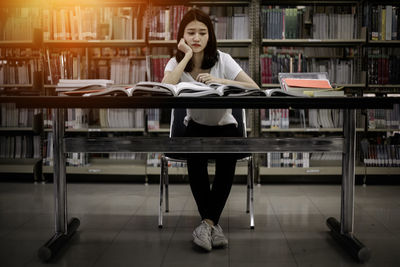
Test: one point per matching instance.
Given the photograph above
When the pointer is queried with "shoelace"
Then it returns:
(218, 231)
(205, 231)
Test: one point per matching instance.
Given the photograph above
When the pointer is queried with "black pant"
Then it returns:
(211, 202)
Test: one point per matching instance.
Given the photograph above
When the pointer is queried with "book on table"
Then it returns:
(194, 89)
(87, 89)
(189, 89)
(310, 84)
(79, 87)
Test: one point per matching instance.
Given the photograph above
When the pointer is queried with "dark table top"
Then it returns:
(201, 102)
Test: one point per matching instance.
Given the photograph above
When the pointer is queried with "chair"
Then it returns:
(177, 129)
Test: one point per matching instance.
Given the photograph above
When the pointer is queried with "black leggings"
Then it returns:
(211, 202)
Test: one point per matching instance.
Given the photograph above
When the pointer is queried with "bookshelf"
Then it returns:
(148, 42)
(20, 139)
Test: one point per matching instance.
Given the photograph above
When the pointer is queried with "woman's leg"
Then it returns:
(200, 184)
(223, 180)
(210, 203)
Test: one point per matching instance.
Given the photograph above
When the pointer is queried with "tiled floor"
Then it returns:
(119, 226)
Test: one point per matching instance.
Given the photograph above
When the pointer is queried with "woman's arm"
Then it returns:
(173, 77)
(241, 79)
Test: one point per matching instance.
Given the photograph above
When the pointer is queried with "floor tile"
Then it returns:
(119, 226)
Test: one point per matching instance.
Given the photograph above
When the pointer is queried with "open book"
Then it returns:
(280, 92)
(192, 89)
(133, 90)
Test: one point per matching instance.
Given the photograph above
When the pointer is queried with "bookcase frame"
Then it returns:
(254, 45)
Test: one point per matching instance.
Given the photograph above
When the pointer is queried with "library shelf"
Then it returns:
(92, 3)
(310, 2)
(220, 42)
(99, 129)
(17, 44)
(16, 129)
(118, 57)
(361, 170)
(92, 43)
(199, 2)
(16, 85)
(322, 130)
(300, 130)
(388, 43)
(354, 85)
(160, 130)
(19, 165)
(106, 167)
(150, 170)
(328, 170)
(18, 58)
(312, 42)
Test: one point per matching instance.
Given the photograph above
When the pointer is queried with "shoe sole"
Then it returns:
(219, 245)
(200, 243)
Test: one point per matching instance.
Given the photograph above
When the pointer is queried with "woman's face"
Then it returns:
(196, 35)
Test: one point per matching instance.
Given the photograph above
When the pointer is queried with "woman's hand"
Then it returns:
(207, 78)
(184, 47)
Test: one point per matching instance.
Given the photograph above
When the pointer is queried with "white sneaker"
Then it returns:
(218, 238)
(202, 236)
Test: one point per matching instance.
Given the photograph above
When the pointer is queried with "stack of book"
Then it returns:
(69, 86)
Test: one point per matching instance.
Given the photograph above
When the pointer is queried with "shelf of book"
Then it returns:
(310, 2)
(16, 129)
(99, 129)
(17, 58)
(112, 168)
(166, 130)
(240, 170)
(332, 130)
(106, 167)
(16, 85)
(199, 2)
(361, 170)
(330, 170)
(118, 57)
(388, 43)
(160, 130)
(355, 85)
(236, 43)
(92, 3)
(17, 44)
(382, 89)
(312, 42)
(21, 165)
(384, 86)
(92, 43)
(220, 42)
(301, 130)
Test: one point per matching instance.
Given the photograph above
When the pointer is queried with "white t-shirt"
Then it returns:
(225, 68)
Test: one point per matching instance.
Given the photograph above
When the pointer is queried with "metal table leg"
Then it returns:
(63, 231)
(343, 232)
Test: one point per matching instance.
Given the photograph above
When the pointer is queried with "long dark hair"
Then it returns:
(210, 51)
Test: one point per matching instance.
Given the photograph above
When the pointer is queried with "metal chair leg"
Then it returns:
(166, 182)
(248, 185)
(251, 191)
(162, 176)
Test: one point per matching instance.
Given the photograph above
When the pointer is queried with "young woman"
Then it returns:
(197, 59)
